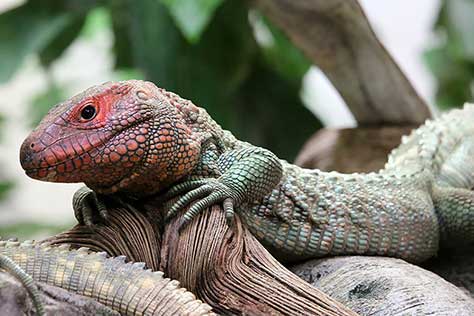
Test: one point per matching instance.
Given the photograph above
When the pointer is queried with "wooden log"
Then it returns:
(225, 267)
(385, 286)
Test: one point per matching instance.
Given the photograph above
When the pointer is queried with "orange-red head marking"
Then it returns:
(109, 136)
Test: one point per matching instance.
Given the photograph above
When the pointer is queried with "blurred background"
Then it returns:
(218, 53)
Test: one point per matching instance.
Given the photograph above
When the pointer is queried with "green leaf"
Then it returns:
(31, 230)
(97, 19)
(5, 187)
(62, 40)
(26, 30)
(192, 16)
(270, 113)
(122, 46)
(454, 77)
(2, 120)
(442, 64)
(278, 51)
(129, 73)
(204, 72)
(44, 101)
(461, 24)
(452, 61)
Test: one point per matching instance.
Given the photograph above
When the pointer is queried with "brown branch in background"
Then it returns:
(337, 37)
(361, 149)
(227, 268)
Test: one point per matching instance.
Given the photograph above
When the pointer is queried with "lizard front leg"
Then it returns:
(247, 174)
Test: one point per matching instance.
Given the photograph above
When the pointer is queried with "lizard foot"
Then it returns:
(86, 203)
(208, 192)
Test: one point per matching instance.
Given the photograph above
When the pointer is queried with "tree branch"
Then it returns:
(226, 268)
(337, 37)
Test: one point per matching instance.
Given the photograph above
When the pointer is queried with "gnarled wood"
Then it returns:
(227, 268)
(128, 232)
(385, 286)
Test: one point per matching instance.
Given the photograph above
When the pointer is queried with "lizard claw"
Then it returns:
(205, 193)
(86, 203)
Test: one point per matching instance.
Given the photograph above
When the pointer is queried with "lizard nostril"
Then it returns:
(32, 145)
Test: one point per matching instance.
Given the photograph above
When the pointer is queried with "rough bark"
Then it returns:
(337, 37)
(385, 286)
(227, 268)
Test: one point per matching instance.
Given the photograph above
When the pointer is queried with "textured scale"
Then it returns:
(444, 147)
(422, 196)
(313, 214)
(125, 287)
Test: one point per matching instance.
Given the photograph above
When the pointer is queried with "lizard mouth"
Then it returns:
(76, 158)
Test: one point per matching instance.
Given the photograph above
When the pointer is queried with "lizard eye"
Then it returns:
(88, 112)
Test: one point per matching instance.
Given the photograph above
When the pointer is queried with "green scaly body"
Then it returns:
(153, 141)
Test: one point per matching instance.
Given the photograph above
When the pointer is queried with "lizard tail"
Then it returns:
(10, 266)
(128, 288)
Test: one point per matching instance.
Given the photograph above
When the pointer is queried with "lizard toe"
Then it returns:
(182, 187)
(187, 199)
(89, 205)
(228, 206)
(204, 193)
(200, 206)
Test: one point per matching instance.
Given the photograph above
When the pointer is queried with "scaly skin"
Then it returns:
(144, 140)
(11, 267)
(124, 287)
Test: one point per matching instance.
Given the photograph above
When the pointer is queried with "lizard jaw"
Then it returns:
(105, 157)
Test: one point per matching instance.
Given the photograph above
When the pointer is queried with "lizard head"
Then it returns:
(118, 136)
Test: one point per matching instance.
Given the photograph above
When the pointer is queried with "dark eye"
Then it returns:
(88, 112)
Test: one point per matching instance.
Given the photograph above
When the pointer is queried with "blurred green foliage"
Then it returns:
(5, 186)
(205, 50)
(192, 16)
(30, 230)
(42, 102)
(2, 120)
(452, 59)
